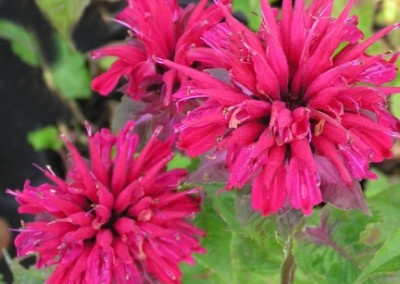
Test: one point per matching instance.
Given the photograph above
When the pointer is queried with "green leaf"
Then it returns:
(251, 9)
(374, 187)
(179, 161)
(21, 42)
(255, 251)
(224, 206)
(324, 264)
(338, 256)
(63, 14)
(238, 249)
(217, 243)
(45, 138)
(198, 274)
(106, 62)
(385, 206)
(387, 258)
(395, 106)
(254, 261)
(388, 13)
(22, 275)
(70, 74)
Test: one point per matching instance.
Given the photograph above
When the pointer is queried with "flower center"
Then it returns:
(292, 101)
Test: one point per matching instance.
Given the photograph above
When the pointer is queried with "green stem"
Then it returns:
(49, 80)
(288, 225)
(289, 266)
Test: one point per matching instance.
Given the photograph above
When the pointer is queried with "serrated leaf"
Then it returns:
(21, 42)
(70, 74)
(387, 258)
(347, 228)
(45, 138)
(255, 251)
(324, 264)
(237, 250)
(224, 206)
(217, 242)
(257, 254)
(253, 263)
(334, 253)
(62, 14)
(24, 275)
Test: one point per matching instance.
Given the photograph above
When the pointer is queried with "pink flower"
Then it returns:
(300, 109)
(158, 29)
(118, 218)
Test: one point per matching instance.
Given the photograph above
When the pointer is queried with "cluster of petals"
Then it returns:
(159, 29)
(118, 218)
(300, 109)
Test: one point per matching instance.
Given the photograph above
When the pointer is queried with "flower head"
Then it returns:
(116, 219)
(301, 109)
(158, 29)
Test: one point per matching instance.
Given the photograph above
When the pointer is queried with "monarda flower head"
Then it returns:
(116, 219)
(301, 110)
(158, 29)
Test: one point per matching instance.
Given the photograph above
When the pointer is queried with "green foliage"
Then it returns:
(386, 206)
(339, 258)
(216, 262)
(324, 264)
(389, 13)
(62, 14)
(395, 107)
(250, 8)
(179, 161)
(23, 275)
(373, 187)
(242, 246)
(45, 138)
(21, 42)
(105, 62)
(254, 261)
(359, 248)
(69, 73)
(386, 259)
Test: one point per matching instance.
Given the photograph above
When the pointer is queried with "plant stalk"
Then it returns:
(289, 265)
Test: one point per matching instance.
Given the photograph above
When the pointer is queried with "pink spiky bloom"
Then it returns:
(115, 219)
(158, 29)
(300, 110)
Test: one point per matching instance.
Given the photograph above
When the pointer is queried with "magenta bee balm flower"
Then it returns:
(301, 108)
(158, 29)
(118, 218)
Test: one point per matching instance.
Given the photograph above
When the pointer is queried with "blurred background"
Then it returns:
(45, 79)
